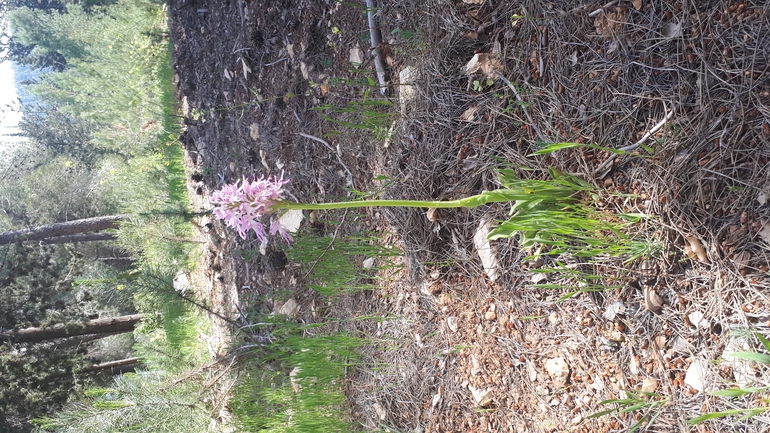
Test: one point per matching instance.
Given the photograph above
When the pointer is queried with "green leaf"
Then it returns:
(764, 341)
(714, 415)
(751, 356)
(647, 148)
(602, 413)
(738, 392)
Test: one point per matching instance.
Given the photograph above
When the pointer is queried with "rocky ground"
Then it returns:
(466, 343)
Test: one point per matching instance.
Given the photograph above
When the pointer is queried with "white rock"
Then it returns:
(356, 56)
(487, 256)
(452, 322)
(483, 397)
(289, 308)
(181, 282)
(696, 375)
(380, 411)
(697, 320)
(407, 92)
(291, 220)
(742, 372)
(558, 369)
(368, 263)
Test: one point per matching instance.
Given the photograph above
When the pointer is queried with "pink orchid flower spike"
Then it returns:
(243, 204)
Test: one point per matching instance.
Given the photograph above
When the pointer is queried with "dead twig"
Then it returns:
(329, 146)
(603, 166)
(334, 237)
(376, 37)
(598, 11)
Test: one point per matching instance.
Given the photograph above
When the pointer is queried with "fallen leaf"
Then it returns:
(652, 301)
(531, 371)
(324, 89)
(486, 63)
(435, 401)
(688, 252)
(356, 56)
(741, 368)
(697, 248)
(432, 214)
(637, 4)
(228, 75)
(452, 322)
(469, 114)
(697, 320)
(672, 30)
(613, 310)
(649, 385)
(484, 250)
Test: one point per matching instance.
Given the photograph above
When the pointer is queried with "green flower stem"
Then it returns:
(468, 202)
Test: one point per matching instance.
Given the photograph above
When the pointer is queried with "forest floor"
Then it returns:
(251, 76)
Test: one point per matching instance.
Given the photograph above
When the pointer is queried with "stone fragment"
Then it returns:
(289, 308)
(484, 250)
(291, 220)
(452, 322)
(482, 397)
(649, 385)
(696, 375)
(356, 56)
(558, 369)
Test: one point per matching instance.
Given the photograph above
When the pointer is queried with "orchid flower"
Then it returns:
(243, 204)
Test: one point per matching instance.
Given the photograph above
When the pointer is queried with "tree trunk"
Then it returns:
(112, 366)
(68, 228)
(61, 330)
(80, 237)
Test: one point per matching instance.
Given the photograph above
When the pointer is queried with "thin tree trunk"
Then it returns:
(112, 365)
(81, 237)
(68, 228)
(61, 330)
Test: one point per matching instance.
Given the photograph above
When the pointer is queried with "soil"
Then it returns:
(256, 80)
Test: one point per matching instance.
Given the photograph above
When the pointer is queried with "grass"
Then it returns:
(648, 404)
(750, 395)
(366, 113)
(296, 384)
(334, 264)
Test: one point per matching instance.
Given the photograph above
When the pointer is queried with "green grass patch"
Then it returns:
(334, 264)
(296, 384)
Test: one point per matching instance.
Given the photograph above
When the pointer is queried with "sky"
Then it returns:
(9, 106)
